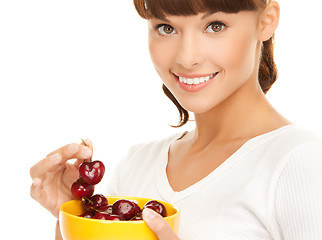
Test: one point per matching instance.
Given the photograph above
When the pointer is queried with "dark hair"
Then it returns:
(267, 74)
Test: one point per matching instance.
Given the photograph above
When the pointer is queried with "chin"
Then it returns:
(198, 107)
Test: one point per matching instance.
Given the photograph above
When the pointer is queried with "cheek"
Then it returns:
(160, 52)
(237, 56)
(156, 57)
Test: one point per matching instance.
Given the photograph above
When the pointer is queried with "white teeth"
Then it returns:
(198, 80)
(195, 81)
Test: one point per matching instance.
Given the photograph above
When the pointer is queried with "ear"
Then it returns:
(269, 20)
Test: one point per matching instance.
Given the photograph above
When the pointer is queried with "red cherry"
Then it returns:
(87, 204)
(115, 218)
(108, 209)
(156, 206)
(106, 216)
(81, 189)
(99, 200)
(94, 202)
(88, 214)
(101, 216)
(123, 208)
(92, 172)
(137, 209)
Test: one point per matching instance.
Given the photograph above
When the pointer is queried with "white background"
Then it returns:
(81, 69)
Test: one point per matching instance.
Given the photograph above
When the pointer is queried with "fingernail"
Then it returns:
(86, 153)
(55, 158)
(148, 214)
(36, 182)
(72, 148)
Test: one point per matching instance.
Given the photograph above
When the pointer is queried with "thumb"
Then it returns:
(158, 225)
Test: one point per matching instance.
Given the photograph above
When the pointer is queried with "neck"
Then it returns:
(245, 114)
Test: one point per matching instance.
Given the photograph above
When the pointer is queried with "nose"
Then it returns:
(189, 52)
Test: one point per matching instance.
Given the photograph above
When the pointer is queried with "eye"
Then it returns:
(165, 29)
(215, 27)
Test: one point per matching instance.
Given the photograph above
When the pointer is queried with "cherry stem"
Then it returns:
(91, 202)
(87, 199)
(84, 142)
(96, 210)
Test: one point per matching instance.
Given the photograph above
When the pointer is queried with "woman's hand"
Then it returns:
(158, 225)
(53, 176)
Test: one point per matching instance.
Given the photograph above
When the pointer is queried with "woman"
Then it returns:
(244, 172)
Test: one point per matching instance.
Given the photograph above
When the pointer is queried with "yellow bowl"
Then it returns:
(78, 228)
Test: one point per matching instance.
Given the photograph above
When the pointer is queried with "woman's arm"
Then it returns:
(298, 199)
(58, 234)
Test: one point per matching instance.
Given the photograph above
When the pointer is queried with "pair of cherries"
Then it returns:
(90, 174)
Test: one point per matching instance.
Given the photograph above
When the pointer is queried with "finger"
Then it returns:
(35, 189)
(68, 151)
(88, 143)
(58, 157)
(158, 225)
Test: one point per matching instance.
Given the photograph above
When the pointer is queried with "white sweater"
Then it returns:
(270, 188)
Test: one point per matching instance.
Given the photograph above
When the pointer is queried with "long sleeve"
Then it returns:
(298, 200)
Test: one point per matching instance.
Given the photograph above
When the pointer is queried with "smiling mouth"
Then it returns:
(195, 81)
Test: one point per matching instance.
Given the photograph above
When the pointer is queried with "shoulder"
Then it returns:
(304, 158)
(287, 141)
(301, 164)
(293, 135)
(274, 149)
(292, 144)
(284, 151)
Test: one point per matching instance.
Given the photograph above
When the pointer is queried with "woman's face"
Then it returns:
(203, 59)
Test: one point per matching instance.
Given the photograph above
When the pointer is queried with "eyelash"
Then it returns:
(223, 25)
(158, 26)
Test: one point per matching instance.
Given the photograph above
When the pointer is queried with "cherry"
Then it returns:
(156, 206)
(125, 209)
(101, 216)
(88, 214)
(94, 202)
(115, 218)
(99, 200)
(137, 209)
(92, 172)
(108, 209)
(106, 216)
(82, 189)
(87, 204)
(138, 213)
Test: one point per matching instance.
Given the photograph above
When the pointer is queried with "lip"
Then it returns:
(193, 87)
